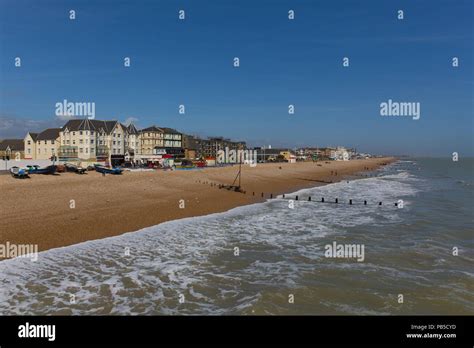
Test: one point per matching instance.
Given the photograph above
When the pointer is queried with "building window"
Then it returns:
(87, 150)
(92, 132)
(29, 142)
(80, 132)
(73, 142)
(29, 150)
(80, 141)
(80, 150)
(92, 141)
(73, 133)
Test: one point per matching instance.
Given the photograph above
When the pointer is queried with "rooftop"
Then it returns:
(48, 134)
(12, 144)
(94, 125)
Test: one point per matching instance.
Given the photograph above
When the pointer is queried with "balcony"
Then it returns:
(67, 152)
(102, 150)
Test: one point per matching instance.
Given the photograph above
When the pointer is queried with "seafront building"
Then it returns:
(132, 143)
(12, 149)
(155, 142)
(113, 142)
(339, 153)
(97, 140)
(29, 145)
(92, 140)
(42, 145)
(209, 148)
(191, 145)
(275, 155)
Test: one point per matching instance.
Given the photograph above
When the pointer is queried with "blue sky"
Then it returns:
(283, 62)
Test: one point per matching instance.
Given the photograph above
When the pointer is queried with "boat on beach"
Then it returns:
(19, 173)
(105, 170)
(75, 169)
(35, 169)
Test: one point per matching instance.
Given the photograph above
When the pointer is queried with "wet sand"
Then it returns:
(60, 210)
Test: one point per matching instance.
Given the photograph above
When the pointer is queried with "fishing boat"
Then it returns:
(19, 173)
(105, 170)
(185, 165)
(35, 169)
(75, 169)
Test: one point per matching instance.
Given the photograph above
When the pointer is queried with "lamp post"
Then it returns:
(8, 153)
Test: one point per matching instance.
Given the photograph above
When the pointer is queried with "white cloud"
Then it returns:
(17, 127)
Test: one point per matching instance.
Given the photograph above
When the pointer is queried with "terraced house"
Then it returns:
(93, 140)
(96, 140)
(42, 145)
(132, 144)
(156, 142)
(30, 145)
(11, 149)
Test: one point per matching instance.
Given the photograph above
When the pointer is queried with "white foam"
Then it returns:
(277, 245)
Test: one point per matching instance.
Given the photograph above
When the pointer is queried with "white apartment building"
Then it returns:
(96, 140)
(92, 140)
(42, 146)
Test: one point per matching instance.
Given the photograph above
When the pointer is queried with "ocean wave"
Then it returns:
(221, 263)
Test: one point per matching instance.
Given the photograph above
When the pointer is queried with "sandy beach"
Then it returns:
(41, 210)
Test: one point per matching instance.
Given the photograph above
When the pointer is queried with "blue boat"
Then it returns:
(105, 170)
(37, 170)
(19, 173)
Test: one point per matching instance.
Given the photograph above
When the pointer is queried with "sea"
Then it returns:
(271, 258)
